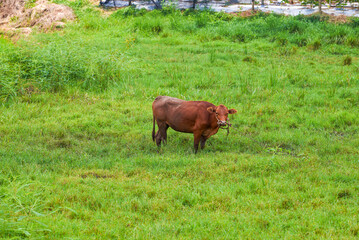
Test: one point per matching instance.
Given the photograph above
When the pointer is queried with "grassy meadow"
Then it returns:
(77, 159)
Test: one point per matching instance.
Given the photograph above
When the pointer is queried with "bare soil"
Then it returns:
(339, 19)
(332, 18)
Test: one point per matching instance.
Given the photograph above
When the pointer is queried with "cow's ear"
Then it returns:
(211, 109)
(232, 111)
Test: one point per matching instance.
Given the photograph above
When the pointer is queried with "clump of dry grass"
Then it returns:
(9, 8)
(16, 15)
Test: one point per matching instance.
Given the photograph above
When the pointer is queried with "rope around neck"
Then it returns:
(227, 126)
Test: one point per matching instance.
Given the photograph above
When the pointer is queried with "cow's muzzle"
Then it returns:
(221, 123)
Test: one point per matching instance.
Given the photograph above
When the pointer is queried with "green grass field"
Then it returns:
(77, 159)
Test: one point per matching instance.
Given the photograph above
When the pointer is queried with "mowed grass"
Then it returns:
(77, 157)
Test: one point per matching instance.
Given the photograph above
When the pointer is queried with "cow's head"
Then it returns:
(221, 114)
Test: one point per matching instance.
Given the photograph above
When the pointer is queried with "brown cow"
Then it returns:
(201, 118)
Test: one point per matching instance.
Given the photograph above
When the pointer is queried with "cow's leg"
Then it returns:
(158, 134)
(203, 141)
(197, 138)
(161, 134)
(164, 133)
(158, 138)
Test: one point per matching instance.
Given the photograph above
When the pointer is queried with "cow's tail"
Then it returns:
(153, 130)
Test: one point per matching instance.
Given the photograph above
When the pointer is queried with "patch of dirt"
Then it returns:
(339, 19)
(95, 175)
(20, 16)
(247, 13)
(331, 17)
(9, 8)
(98, 174)
(94, 2)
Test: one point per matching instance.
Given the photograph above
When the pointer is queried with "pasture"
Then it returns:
(77, 159)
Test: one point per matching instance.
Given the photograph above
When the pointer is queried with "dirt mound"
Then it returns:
(9, 8)
(18, 15)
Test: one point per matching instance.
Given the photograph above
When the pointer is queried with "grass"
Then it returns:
(77, 159)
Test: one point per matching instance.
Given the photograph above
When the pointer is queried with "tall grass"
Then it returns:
(93, 63)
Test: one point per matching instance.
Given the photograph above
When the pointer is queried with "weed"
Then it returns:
(30, 3)
(129, 12)
(347, 61)
(130, 42)
(282, 41)
(286, 51)
(315, 45)
(212, 57)
(300, 40)
(249, 59)
(353, 41)
(14, 19)
(344, 194)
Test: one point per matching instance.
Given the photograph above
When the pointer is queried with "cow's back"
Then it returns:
(181, 115)
(164, 105)
(162, 101)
